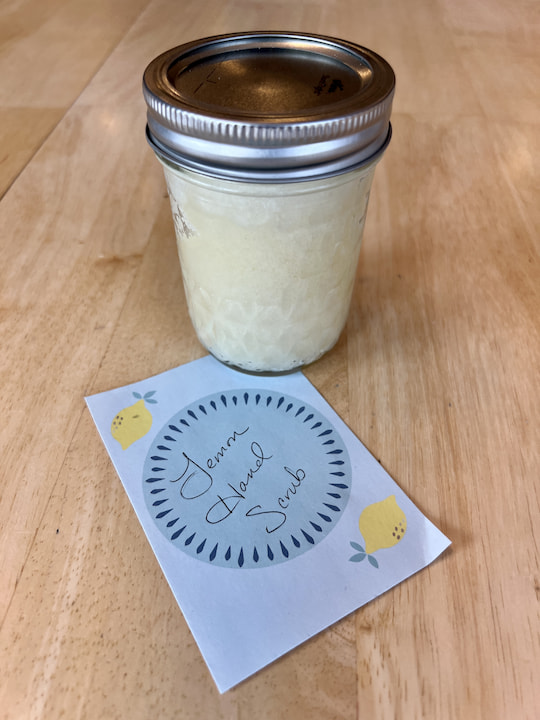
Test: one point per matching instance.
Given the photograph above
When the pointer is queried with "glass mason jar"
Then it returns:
(269, 143)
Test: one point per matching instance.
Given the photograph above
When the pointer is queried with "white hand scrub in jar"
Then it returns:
(269, 142)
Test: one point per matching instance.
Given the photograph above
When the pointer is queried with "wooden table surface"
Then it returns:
(437, 372)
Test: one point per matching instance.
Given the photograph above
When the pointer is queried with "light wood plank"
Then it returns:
(48, 53)
(73, 252)
(440, 324)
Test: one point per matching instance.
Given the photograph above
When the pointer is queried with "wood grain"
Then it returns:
(437, 372)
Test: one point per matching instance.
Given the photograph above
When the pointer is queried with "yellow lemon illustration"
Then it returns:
(133, 422)
(382, 524)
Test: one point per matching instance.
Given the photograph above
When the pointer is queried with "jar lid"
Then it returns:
(269, 105)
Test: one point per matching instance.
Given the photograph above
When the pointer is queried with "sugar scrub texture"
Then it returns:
(268, 269)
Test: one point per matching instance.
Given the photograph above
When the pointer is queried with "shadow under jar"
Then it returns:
(269, 143)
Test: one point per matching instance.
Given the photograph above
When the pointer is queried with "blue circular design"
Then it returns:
(247, 478)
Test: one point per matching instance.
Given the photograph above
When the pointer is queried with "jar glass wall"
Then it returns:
(268, 268)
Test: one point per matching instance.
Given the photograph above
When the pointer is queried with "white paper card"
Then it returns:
(269, 518)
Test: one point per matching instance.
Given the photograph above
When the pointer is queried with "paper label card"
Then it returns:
(258, 479)
(269, 518)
